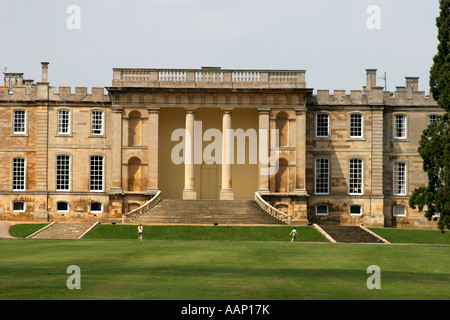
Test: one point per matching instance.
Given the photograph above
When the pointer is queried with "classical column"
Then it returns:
(300, 165)
(116, 150)
(153, 137)
(264, 138)
(189, 192)
(226, 193)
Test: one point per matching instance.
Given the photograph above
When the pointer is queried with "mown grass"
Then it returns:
(25, 229)
(220, 270)
(230, 233)
(413, 236)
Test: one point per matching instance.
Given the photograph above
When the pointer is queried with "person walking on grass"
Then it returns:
(294, 234)
(140, 231)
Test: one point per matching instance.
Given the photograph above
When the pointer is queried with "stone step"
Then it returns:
(170, 211)
(350, 234)
(69, 230)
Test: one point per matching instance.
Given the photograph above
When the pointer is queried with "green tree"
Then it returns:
(440, 70)
(434, 145)
(434, 148)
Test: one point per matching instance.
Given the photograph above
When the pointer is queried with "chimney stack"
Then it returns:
(371, 79)
(44, 71)
(412, 84)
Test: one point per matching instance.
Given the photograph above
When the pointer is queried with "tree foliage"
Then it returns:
(440, 70)
(434, 146)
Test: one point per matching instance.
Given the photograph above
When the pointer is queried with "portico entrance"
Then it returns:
(209, 188)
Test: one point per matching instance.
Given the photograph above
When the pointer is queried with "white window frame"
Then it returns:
(355, 214)
(432, 118)
(97, 123)
(322, 214)
(399, 178)
(66, 179)
(95, 211)
(94, 177)
(399, 206)
(18, 174)
(360, 123)
(63, 122)
(320, 114)
(358, 180)
(320, 176)
(19, 121)
(22, 210)
(404, 131)
(63, 211)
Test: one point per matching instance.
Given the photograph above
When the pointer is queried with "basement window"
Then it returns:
(399, 211)
(355, 210)
(18, 206)
(96, 207)
(62, 206)
(322, 210)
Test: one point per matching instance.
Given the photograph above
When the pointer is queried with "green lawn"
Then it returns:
(413, 236)
(230, 233)
(214, 269)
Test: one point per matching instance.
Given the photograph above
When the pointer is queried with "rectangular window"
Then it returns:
(63, 121)
(322, 210)
(399, 179)
(433, 118)
(19, 121)
(355, 176)
(62, 173)
(322, 176)
(356, 125)
(18, 174)
(322, 125)
(18, 206)
(62, 206)
(97, 122)
(355, 210)
(96, 173)
(399, 126)
(96, 207)
(399, 210)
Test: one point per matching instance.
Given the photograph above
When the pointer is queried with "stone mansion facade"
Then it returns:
(73, 155)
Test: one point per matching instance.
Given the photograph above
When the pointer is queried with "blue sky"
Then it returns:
(327, 38)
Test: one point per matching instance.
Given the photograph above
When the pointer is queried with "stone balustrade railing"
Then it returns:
(208, 77)
(142, 209)
(272, 211)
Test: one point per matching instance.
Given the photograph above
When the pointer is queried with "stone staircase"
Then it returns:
(229, 212)
(69, 230)
(351, 234)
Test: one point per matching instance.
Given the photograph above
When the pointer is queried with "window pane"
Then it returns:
(18, 174)
(432, 118)
(399, 126)
(97, 122)
(19, 121)
(399, 210)
(322, 175)
(322, 125)
(96, 173)
(62, 206)
(356, 125)
(63, 121)
(322, 209)
(399, 178)
(62, 173)
(18, 206)
(96, 207)
(355, 209)
(355, 176)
